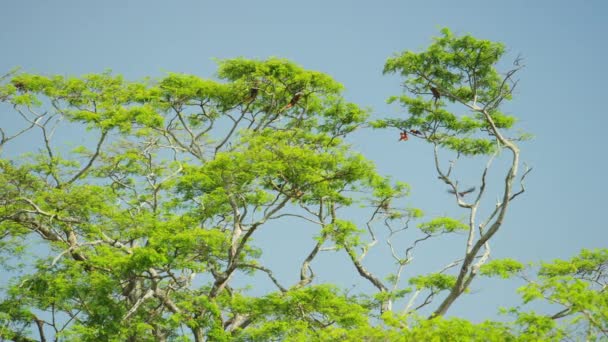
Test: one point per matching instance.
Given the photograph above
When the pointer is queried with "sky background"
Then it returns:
(560, 98)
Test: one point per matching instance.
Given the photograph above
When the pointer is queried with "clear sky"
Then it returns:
(560, 97)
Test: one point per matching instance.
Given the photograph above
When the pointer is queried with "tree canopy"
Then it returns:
(141, 232)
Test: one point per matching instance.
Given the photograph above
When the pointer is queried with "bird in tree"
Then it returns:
(296, 97)
(253, 93)
(416, 132)
(436, 94)
(462, 193)
(385, 204)
(297, 193)
(403, 136)
(19, 85)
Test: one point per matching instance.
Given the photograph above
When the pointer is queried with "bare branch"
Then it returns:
(137, 304)
(521, 183)
(232, 129)
(367, 275)
(306, 278)
(268, 272)
(464, 277)
(427, 301)
(91, 160)
(73, 247)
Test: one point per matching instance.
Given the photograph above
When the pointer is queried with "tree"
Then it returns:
(141, 233)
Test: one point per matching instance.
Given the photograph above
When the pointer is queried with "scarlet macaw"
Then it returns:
(294, 100)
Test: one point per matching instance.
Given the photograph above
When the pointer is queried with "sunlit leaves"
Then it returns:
(468, 146)
(162, 196)
(433, 282)
(294, 315)
(343, 232)
(442, 225)
(450, 62)
(441, 329)
(342, 118)
(143, 232)
(294, 164)
(535, 326)
(576, 285)
(503, 268)
(588, 263)
(276, 71)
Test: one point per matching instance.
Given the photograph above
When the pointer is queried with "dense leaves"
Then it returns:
(144, 228)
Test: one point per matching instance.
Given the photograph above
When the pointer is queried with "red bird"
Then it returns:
(403, 136)
(294, 100)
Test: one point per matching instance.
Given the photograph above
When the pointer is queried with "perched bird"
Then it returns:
(415, 131)
(462, 193)
(19, 85)
(253, 93)
(403, 136)
(385, 204)
(296, 97)
(436, 93)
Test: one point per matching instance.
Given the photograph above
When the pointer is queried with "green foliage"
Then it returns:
(298, 313)
(588, 264)
(167, 193)
(442, 225)
(536, 327)
(577, 285)
(457, 330)
(449, 63)
(434, 282)
(504, 268)
(145, 232)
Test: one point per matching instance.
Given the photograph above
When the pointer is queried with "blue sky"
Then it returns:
(560, 97)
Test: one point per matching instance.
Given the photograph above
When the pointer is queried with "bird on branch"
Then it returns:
(253, 93)
(436, 94)
(296, 97)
